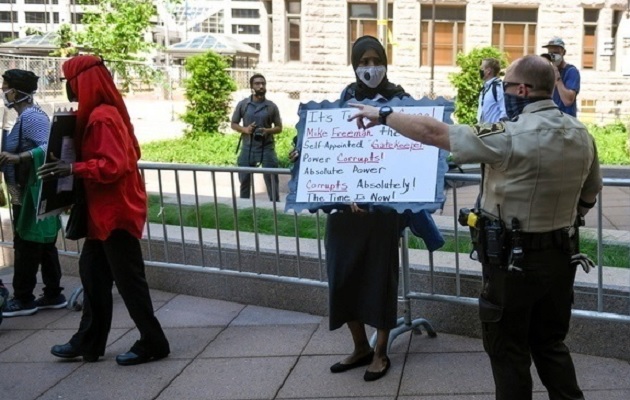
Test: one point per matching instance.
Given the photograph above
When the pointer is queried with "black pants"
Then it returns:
(252, 156)
(526, 316)
(117, 259)
(27, 258)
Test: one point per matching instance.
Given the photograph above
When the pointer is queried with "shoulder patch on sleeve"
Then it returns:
(489, 129)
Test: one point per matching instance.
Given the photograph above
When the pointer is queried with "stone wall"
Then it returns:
(324, 69)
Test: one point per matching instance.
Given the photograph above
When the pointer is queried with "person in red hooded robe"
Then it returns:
(107, 163)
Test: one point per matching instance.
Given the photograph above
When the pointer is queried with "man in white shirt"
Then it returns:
(491, 107)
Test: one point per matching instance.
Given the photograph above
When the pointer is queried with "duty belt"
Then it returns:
(545, 240)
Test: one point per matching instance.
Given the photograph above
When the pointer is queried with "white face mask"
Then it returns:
(371, 76)
(556, 58)
(7, 103)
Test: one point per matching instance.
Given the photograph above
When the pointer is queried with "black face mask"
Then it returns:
(72, 97)
(481, 73)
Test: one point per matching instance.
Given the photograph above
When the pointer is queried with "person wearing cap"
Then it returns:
(567, 77)
(23, 149)
(107, 154)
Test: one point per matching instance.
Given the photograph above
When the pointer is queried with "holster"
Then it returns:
(489, 239)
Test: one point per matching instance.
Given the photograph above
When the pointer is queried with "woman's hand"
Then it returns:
(54, 169)
(356, 209)
(9, 158)
(294, 155)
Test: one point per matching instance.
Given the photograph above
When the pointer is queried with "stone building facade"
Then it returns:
(309, 41)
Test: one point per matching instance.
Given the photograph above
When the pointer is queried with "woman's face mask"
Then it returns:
(72, 97)
(372, 76)
(5, 99)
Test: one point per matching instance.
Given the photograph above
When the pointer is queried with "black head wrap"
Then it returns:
(19, 79)
(385, 88)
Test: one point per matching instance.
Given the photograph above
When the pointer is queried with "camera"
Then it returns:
(259, 134)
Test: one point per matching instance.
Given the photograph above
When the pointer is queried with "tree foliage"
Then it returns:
(468, 82)
(208, 90)
(64, 42)
(116, 31)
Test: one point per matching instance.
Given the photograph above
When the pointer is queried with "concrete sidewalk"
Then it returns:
(224, 350)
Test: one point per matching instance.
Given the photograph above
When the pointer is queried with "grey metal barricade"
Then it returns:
(293, 259)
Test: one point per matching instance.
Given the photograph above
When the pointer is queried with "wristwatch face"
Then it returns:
(383, 113)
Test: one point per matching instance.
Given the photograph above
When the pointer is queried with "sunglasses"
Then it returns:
(508, 84)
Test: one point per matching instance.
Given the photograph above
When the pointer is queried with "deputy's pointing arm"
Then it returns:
(416, 127)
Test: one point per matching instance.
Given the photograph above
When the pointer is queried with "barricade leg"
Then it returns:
(405, 323)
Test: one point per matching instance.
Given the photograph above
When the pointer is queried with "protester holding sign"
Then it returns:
(107, 154)
(541, 172)
(362, 247)
(34, 242)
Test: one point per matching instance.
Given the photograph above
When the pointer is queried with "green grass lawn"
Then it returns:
(614, 255)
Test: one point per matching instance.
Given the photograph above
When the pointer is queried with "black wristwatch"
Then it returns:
(383, 113)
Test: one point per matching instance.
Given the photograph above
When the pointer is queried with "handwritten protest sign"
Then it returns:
(340, 163)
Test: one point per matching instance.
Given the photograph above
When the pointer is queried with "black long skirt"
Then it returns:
(362, 264)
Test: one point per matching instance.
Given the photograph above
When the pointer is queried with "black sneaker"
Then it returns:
(45, 302)
(16, 308)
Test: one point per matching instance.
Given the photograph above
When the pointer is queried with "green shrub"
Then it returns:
(219, 150)
(611, 142)
(468, 83)
(208, 91)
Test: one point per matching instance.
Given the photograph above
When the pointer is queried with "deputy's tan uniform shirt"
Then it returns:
(536, 168)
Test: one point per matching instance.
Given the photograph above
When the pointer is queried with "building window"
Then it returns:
(363, 22)
(239, 29)
(514, 31)
(294, 12)
(269, 11)
(213, 24)
(77, 18)
(41, 2)
(254, 45)
(589, 45)
(32, 17)
(8, 16)
(449, 34)
(588, 106)
(7, 2)
(7, 36)
(245, 13)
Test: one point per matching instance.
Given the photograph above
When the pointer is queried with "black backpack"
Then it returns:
(493, 86)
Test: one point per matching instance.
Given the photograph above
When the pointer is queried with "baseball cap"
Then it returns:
(555, 41)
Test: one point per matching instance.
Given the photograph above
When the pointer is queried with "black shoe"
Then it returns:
(131, 358)
(365, 360)
(372, 376)
(17, 308)
(54, 303)
(68, 351)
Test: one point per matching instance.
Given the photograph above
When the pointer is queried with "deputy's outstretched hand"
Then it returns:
(366, 112)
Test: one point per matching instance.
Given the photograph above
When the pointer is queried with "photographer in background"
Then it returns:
(261, 120)
(567, 77)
